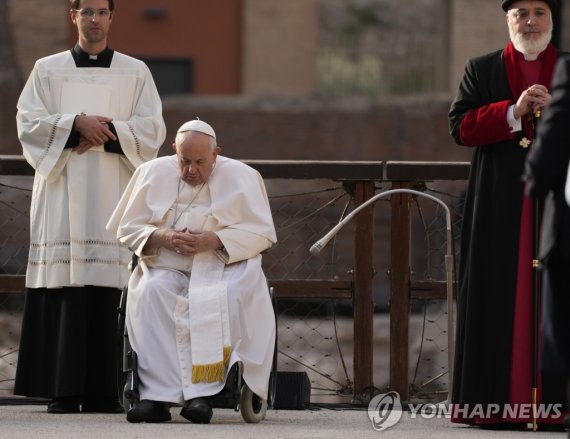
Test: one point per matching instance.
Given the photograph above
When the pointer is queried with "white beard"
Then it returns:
(532, 46)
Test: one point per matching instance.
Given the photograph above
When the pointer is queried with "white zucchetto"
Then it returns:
(197, 125)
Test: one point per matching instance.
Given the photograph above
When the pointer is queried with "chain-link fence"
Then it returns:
(315, 336)
(429, 364)
(15, 194)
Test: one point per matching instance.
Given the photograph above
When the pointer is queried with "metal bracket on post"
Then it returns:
(449, 258)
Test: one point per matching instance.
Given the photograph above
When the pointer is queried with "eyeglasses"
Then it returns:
(90, 13)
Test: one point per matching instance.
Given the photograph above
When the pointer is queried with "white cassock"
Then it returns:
(232, 203)
(74, 194)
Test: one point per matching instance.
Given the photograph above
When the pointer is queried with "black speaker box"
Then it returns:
(293, 391)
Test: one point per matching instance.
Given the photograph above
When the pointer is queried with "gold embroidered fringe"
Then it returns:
(227, 353)
(211, 373)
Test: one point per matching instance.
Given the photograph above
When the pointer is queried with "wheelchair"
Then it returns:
(236, 394)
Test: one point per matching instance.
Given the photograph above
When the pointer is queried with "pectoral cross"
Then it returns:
(525, 142)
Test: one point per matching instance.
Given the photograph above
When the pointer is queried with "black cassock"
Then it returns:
(490, 232)
(68, 346)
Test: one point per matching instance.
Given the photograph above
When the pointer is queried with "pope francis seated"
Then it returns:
(198, 299)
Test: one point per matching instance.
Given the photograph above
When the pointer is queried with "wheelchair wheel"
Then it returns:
(122, 348)
(273, 375)
(252, 408)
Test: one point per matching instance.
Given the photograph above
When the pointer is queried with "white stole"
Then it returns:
(209, 319)
(209, 322)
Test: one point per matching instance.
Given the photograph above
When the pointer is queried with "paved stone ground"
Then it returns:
(32, 421)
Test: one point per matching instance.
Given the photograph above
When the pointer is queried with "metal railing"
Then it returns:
(360, 180)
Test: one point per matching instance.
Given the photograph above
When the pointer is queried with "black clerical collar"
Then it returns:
(83, 59)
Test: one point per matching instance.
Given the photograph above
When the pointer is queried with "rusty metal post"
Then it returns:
(400, 291)
(363, 301)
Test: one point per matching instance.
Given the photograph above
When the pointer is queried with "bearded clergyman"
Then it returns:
(496, 112)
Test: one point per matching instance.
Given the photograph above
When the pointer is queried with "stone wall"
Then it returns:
(279, 47)
(36, 29)
(476, 28)
(10, 79)
(313, 129)
(39, 28)
(359, 129)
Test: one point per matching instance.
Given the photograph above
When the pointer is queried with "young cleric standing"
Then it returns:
(87, 117)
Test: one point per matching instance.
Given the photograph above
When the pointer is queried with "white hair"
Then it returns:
(180, 137)
(528, 46)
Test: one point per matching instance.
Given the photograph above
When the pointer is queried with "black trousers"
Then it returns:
(555, 320)
(69, 343)
(555, 326)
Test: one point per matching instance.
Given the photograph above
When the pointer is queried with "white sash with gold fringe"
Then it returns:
(209, 319)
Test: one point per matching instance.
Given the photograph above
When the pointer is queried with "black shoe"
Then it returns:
(197, 411)
(63, 405)
(555, 428)
(149, 411)
(101, 405)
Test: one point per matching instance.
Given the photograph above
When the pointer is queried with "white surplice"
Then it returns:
(74, 194)
(232, 203)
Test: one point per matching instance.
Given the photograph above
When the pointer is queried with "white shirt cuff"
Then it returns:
(514, 124)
